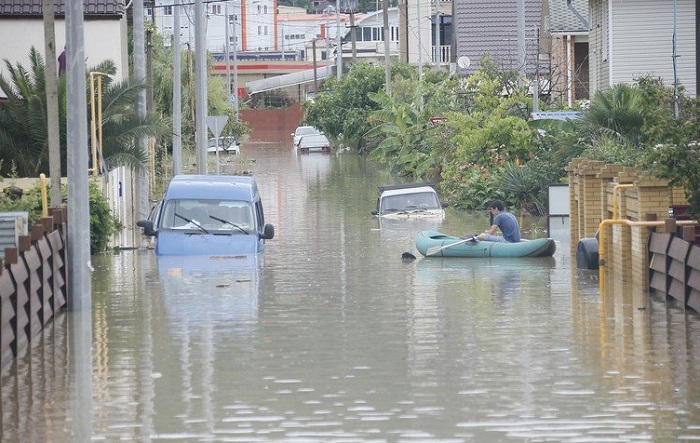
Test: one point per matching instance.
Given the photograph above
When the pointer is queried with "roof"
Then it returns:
(568, 17)
(30, 8)
(285, 80)
(230, 187)
(491, 26)
(406, 188)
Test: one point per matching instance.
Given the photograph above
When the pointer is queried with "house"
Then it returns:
(21, 27)
(491, 27)
(564, 37)
(425, 32)
(633, 38)
(253, 23)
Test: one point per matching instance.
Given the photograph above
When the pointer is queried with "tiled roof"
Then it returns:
(563, 19)
(491, 26)
(27, 8)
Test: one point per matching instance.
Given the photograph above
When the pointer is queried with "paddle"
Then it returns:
(435, 249)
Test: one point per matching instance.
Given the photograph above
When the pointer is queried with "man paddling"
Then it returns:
(503, 220)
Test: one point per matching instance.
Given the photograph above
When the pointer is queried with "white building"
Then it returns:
(252, 21)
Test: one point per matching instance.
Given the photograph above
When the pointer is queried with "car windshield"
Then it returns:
(306, 130)
(410, 202)
(233, 216)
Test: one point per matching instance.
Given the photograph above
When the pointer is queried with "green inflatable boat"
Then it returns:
(436, 244)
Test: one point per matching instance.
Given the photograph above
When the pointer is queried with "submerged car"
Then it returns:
(209, 215)
(314, 143)
(226, 145)
(409, 200)
(302, 131)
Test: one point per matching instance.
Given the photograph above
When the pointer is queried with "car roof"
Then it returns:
(407, 191)
(406, 187)
(230, 187)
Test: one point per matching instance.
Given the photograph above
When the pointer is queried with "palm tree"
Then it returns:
(617, 112)
(23, 122)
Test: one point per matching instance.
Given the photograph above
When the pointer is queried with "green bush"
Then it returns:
(103, 224)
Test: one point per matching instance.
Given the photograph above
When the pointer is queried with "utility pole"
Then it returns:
(437, 53)
(140, 105)
(235, 68)
(201, 85)
(328, 47)
(78, 240)
(353, 37)
(227, 51)
(177, 91)
(420, 43)
(387, 48)
(338, 43)
(313, 48)
(521, 40)
(149, 58)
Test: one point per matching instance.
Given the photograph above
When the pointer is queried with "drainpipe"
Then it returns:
(569, 92)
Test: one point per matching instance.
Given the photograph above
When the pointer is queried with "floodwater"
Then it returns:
(332, 337)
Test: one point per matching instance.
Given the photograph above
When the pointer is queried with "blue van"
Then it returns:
(209, 215)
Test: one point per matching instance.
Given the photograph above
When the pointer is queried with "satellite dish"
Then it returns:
(463, 62)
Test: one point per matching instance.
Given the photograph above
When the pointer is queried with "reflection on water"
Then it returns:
(332, 337)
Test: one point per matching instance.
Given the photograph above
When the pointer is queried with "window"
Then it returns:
(265, 9)
(216, 9)
(167, 10)
(259, 9)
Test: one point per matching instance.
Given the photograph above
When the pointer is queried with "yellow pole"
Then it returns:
(44, 199)
(617, 216)
(93, 125)
(99, 119)
(601, 241)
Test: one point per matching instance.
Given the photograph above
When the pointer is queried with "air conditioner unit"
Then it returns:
(12, 225)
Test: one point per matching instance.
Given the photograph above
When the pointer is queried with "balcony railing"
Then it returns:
(441, 55)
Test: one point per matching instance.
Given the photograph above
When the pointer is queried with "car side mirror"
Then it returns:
(444, 204)
(375, 212)
(268, 232)
(147, 226)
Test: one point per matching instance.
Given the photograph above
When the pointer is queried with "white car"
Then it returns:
(409, 201)
(302, 131)
(314, 143)
(227, 145)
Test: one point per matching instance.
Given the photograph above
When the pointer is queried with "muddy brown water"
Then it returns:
(332, 337)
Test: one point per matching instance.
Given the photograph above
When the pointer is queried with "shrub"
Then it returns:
(103, 224)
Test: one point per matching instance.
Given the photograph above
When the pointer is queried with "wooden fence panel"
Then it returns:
(7, 313)
(21, 301)
(694, 278)
(58, 255)
(658, 266)
(32, 262)
(678, 252)
(32, 285)
(46, 276)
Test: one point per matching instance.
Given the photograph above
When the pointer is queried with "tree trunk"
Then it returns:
(53, 131)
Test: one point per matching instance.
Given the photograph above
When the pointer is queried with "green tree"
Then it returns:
(341, 110)
(23, 126)
(400, 131)
(217, 95)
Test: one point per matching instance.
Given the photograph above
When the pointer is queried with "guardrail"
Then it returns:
(32, 284)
